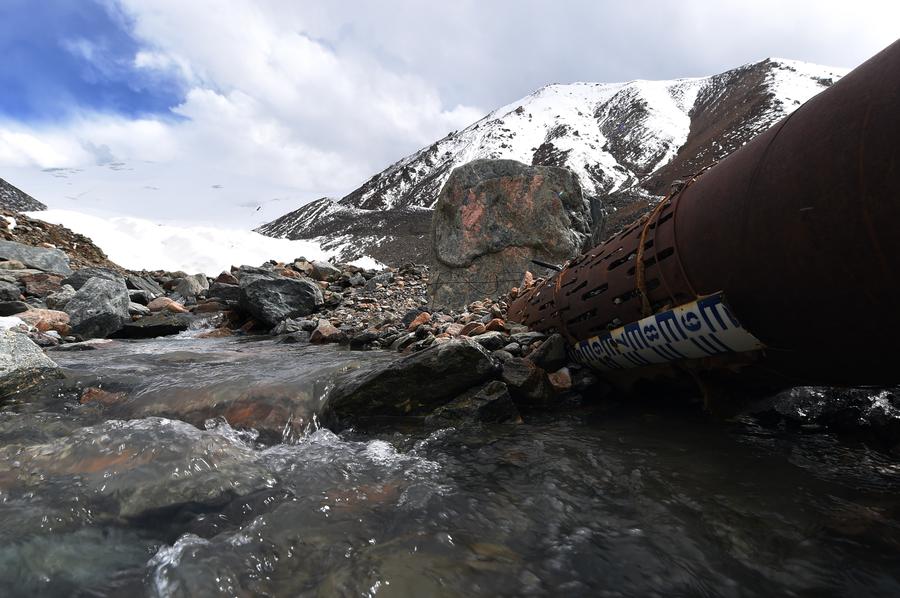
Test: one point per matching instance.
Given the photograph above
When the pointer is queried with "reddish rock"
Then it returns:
(46, 319)
(473, 329)
(226, 278)
(454, 329)
(41, 285)
(288, 273)
(561, 380)
(492, 218)
(325, 332)
(496, 324)
(164, 303)
(98, 395)
(422, 318)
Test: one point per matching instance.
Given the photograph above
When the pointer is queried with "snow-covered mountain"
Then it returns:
(626, 142)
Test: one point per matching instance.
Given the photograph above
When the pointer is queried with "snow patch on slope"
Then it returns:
(139, 244)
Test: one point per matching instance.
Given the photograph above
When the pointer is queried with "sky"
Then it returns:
(235, 112)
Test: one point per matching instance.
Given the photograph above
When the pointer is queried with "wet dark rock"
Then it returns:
(527, 383)
(11, 308)
(22, 363)
(90, 345)
(41, 258)
(490, 404)
(364, 338)
(491, 340)
(300, 336)
(551, 354)
(162, 323)
(415, 385)
(99, 308)
(526, 338)
(78, 278)
(271, 300)
(292, 325)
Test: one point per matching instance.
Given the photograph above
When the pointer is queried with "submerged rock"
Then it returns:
(22, 363)
(415, 385)
(99, 308)
(40, 258)
(271, 300)
(159, 324)
(490, 403)
(139, 468)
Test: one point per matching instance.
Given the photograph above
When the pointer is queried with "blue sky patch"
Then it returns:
(57, 56)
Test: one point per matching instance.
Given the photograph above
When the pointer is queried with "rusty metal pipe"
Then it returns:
(798, 231)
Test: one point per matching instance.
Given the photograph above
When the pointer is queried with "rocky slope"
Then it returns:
(625, 141)
(13, 198)
(81, 250)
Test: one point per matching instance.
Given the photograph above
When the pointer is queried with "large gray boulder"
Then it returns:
(271, 299)
(99, 308)
(40, 258)
(492, 218)
(22, 363)
(415, 385)
(81, 276)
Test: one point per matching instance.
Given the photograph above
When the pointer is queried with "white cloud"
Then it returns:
(293, 100)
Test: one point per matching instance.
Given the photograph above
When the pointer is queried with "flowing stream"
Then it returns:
(126, 499)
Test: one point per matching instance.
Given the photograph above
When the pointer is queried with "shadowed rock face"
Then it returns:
(492, 218)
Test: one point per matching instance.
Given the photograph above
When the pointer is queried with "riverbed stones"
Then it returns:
(99, 308)
(41, 258)
(492, 218)
(411, 386)
(273, 299)
(22, 363)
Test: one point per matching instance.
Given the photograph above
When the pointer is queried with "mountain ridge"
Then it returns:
(626, 142)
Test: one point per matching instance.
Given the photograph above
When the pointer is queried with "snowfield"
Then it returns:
(138, 244)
